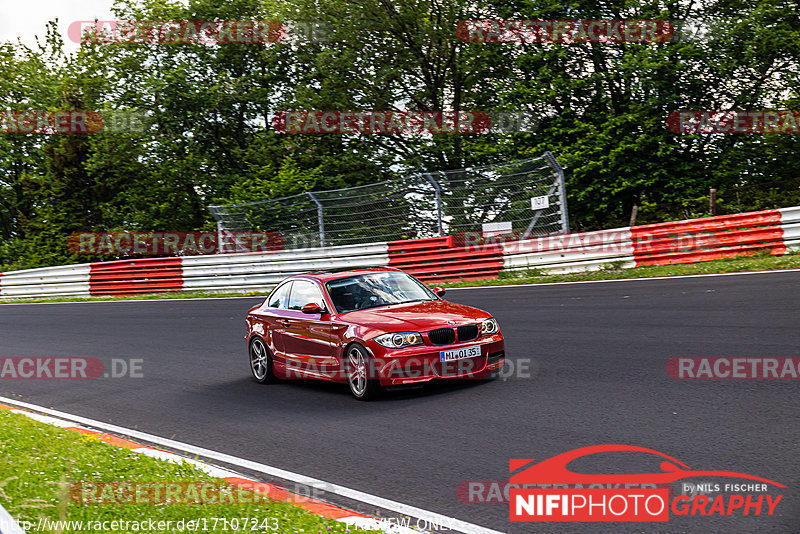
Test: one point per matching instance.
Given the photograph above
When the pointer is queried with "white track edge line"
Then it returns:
(366, 498)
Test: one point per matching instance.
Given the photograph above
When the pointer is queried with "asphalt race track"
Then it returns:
(597, 355)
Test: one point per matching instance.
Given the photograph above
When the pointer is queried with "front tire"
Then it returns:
(360, 373)
(261, 362)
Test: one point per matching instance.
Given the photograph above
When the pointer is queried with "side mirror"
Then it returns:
(313, 308)
(440, 291)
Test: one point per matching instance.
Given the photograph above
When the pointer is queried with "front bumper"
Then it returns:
(422, 363)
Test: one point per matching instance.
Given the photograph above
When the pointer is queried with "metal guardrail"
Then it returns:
(254, 271)
(64, 280)
(571, 253)
(8, 525)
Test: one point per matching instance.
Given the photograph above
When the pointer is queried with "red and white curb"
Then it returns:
(87, 426)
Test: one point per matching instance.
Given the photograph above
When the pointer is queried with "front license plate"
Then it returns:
(458, 354)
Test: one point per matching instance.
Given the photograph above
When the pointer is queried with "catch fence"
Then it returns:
(525, 198)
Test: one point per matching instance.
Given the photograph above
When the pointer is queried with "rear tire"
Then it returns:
(261, 362)
(360, 370)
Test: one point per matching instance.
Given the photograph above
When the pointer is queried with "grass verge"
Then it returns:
(38, 463)
(615, 271)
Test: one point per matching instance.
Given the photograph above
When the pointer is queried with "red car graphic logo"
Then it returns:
(554, 470)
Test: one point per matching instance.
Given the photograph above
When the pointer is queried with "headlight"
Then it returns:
(398, 340)
(489, 326)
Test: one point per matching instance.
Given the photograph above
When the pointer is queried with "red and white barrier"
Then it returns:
(790, 221)
(695, 240)
(442, 258)
(709, 239)
(132, 277)
(218, 272)
(435, 259)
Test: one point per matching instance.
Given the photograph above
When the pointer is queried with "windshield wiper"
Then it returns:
(392, 304)
(410, 301)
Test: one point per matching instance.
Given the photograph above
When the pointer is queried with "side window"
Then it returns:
(279, 298)
(304, 292)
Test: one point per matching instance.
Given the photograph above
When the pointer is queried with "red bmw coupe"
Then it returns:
(369, 328)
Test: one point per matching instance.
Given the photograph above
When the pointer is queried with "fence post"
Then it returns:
(220, 229)
(712, 201)
(320, 219)
(438, 190)
(562, 190)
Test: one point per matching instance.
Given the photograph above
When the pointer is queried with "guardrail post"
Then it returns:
(320, 219)
(220, 238)
(437, 188)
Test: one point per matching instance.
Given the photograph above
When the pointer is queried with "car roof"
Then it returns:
(334, 274)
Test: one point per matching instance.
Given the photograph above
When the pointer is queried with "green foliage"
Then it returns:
(613, 266)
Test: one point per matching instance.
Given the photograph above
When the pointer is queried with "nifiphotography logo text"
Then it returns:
(573, 496)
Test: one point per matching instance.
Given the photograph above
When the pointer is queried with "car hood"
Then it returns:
(418, 316)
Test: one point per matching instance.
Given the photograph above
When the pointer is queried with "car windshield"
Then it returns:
(370, 290)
